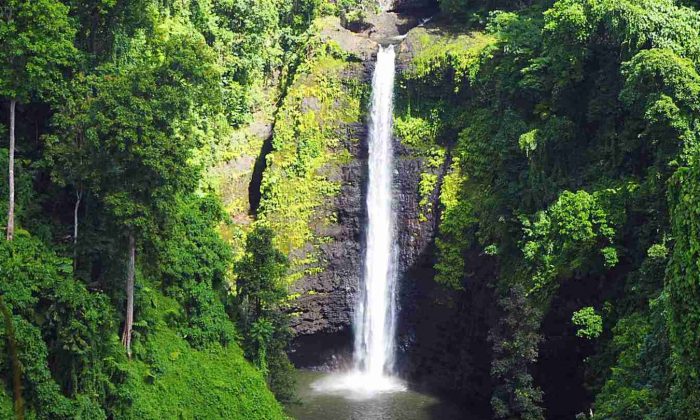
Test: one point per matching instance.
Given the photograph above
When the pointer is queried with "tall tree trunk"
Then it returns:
(129, 321)
(14, 361)
(78, 198)
(11, 181)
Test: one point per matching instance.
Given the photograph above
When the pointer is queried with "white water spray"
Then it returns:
(375, 313)
(385, 5)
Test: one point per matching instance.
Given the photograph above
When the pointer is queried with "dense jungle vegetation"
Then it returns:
(573, 137)
(117, 286)
(569, 131)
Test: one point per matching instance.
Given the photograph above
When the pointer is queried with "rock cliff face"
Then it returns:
(443, 333)
(443, 338)
(427, 319)
(407, 6)
(324, 326)
(329, 261)
(434, 320)
(324, 322)
(431, 324)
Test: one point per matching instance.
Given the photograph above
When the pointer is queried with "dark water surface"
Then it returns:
(405, 405)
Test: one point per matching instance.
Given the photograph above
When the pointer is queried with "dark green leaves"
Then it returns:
(36, 47)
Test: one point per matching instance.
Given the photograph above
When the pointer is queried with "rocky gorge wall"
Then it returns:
(313, 187)
(310, 177)
(444, 325)
(332, 92)
(316, 172)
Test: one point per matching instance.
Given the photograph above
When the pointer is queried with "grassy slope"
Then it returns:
(174, 381)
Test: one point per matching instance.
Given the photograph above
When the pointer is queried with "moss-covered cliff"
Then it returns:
(313, 180)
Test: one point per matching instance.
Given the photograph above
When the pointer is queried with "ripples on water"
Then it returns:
(337, 396)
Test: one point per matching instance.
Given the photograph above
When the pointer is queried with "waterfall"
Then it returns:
(376, 310)
(386, 5)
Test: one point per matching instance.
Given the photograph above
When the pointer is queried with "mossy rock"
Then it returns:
(309, 149)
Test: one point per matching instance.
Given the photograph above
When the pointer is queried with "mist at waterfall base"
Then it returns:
(375, 312)
(405, 405)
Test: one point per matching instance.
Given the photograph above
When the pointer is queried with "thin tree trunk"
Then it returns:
(129, 321)
(78, 198)
(11, 182)
(14, 361)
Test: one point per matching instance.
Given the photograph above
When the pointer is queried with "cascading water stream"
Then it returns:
(385, 5)
(375, 313)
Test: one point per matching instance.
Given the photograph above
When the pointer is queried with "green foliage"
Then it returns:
(638, 385)
(260, 291)
(416, 132)
(260, 272)
(459, 9)
(76, 330)
(355, 20)
(343, 8)
(176, 381)
(193, 263)
(589, 322)
(36, 47)
(247, 39)
(563, 239)
(658, 251)
(420, 136)
(143, 119)
(515, 342)
(683, 286)
(452, 60)
(6, 407)
(457, 216)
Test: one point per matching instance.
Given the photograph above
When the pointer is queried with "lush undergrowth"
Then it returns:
(173, 380)
(571, 129)
(120, 296)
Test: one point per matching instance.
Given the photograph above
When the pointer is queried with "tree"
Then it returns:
(260, 290)
(66, 154)
(36, 47)
(515, 343)
(142, 133)
(260, 273)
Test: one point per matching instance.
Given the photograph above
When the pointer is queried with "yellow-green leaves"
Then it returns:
(589, 322)
(566, 238)
(36, 48)
(301, 173)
